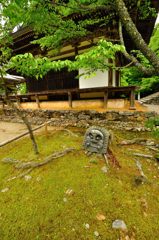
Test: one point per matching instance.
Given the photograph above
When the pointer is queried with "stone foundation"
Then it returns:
(127, 120)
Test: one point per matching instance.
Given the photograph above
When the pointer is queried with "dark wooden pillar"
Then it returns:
(105, 99)
(110, 74)
(117, 73)
(37, 101)
(76, 49)
(132, 100)
(3, 104)
(18, 101)
(70, 99)
(117, 78)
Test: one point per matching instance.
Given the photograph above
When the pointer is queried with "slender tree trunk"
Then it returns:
(21, 115)
(26, 122)
(135, 35)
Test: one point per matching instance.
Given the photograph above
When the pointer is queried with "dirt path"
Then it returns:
(10, 130)
(151, 107)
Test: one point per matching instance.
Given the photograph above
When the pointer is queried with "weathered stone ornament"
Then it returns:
(96, 140)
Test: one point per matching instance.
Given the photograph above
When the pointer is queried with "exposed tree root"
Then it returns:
(112, 158)
(20, 175)
(143, 155)
(31, 165)
(47, 160)
(141, 141)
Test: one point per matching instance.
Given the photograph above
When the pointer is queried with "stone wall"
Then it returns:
(111, 119)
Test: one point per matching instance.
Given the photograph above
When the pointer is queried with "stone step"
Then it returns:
(149, 97)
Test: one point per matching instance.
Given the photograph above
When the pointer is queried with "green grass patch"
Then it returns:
(40, 209)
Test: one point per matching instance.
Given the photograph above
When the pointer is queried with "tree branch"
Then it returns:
(143, 69)
(135, 35)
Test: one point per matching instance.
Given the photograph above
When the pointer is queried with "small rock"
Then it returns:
(119, 224)
(86, 225)
(27, 177)
(96, 234)
(140, 180)
(144, 204)
(150, 143)
(104, 169)
(5, 190)
(100, 217)
(65, 200)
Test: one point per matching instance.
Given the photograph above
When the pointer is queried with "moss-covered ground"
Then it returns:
(39, 208)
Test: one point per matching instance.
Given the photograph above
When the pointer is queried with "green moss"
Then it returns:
(41, 209)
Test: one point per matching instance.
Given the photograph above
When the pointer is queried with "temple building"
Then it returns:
(65, 85)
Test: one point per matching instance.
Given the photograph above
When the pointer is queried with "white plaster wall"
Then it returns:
(99, 80)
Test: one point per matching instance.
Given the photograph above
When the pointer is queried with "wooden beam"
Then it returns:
(37, 101)
(70, 99)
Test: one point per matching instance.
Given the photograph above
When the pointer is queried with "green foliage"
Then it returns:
(132, 76)
(150, 84)
(50, 19)
(154, 42)
(22, 88)
(28, 65)
(153, 124)
(67, 30)
(95, 58)
(145, 9)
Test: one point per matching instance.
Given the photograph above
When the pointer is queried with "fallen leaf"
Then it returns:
(100, 217)
(69, 192)
(5, 190)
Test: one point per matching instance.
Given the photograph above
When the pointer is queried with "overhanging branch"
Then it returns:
(146, 71)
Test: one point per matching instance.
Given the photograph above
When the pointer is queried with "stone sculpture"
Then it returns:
(96, 140)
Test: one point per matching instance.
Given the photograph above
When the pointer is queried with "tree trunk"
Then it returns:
(135, 35)
(26, 122)
(21, 115)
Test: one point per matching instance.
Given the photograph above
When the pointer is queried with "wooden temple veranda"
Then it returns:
(74, 93)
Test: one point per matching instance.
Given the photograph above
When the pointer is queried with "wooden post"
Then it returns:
(132, 100)
(110, 74)
(37, 101)
(46, 129)
(3, 104)
(70, 99)
(18, 102)
(105, 99)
